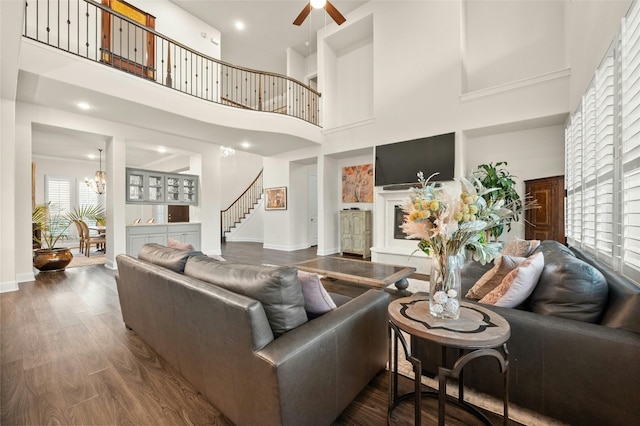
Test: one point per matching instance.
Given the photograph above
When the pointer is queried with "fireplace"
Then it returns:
(390, 244)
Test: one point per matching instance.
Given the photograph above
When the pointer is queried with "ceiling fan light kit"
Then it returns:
(317, 4)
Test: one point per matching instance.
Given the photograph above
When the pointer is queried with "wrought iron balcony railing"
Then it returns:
(124, 38)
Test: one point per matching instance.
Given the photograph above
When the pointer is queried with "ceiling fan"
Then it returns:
(317, 4)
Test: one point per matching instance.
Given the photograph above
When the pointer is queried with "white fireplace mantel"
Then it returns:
(387, 249)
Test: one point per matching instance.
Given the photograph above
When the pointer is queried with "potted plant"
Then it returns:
(52, 227)
(503, 187)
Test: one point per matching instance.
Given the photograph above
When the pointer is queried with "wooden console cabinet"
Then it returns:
(355, 232)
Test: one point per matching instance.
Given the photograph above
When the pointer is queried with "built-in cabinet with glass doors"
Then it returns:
(153, 187)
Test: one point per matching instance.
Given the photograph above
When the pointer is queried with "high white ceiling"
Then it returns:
(269, 28)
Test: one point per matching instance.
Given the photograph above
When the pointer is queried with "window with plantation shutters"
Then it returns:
(58, 195)
(87, 197)
(630, 148)
(602, 148)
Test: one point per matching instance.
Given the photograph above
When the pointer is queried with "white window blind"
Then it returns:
(630, 152)
(602, 166)
(604, 143)
(87, 197)
(58, 194)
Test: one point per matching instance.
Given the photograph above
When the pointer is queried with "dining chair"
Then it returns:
(99, 242)
(80, 236)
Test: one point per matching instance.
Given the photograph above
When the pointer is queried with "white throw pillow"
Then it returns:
(494, 276)
(518, 284)
(316, 299)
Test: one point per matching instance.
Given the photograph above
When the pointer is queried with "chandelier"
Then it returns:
(99, 182)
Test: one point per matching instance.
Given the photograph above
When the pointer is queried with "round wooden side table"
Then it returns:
(477, 333)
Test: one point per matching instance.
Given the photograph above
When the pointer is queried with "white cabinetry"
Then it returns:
(355, 232)
(139, 235)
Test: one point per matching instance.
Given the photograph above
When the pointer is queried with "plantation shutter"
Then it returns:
(604, 144)
(87, 197)
(588, 181)
(574, 181)
(58, 194)
(630, 152)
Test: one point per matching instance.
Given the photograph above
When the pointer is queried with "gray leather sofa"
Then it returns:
(232, 348)
(574, 346)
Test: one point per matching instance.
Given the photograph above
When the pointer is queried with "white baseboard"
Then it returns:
(27, 276)
(8, 286)
(110, 264)
(232, 239)
(285, 248)
(328, 252)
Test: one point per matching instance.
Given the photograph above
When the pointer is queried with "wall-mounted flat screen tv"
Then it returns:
(398, 163)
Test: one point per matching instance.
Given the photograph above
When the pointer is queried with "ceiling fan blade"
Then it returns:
(333, 12)
(303, 15)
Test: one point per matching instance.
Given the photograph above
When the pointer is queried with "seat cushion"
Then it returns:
(167, 257)
(276, 287)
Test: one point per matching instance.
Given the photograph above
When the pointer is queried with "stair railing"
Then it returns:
(239, 209)
(93, 31)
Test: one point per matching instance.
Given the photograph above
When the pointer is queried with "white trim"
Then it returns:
(25, 277)
(525, 82)
(8, 286)
(110, 264)
(233, 239)
(328, 252)
(285, 248)
(340, 128)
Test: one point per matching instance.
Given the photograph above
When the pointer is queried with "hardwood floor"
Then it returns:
(67, 358)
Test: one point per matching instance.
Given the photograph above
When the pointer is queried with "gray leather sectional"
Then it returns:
(574, 346)
(259, 362)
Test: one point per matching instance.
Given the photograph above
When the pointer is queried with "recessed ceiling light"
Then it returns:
(91, 156)
(239, 25)
(162, 149)
(245, 144)
(83, 105)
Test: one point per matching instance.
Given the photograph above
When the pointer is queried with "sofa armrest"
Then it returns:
(322, 365)
(552, 358)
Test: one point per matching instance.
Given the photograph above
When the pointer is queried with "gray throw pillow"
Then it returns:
(276, 287)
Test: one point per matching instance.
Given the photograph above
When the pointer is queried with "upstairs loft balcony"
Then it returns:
(121, 36)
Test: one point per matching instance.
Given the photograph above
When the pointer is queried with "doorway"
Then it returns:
(312, 194)
(547, 221)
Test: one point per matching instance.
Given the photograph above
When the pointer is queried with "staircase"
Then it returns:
(242, 206)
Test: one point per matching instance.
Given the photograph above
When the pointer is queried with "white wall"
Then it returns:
(237, 172)
(590, 28)
(507, 41)
(182, 27)
(530, 154)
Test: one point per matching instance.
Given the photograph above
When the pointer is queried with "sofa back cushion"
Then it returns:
(568, 287)
(623, 307)
(276, 287)
(167, 257)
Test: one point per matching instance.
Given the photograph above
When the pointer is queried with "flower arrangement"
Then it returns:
(446, 224)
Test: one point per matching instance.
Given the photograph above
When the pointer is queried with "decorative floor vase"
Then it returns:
(444, 287)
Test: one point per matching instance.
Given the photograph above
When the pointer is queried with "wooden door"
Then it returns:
(178, 213)
(126, 46)
(547, 221)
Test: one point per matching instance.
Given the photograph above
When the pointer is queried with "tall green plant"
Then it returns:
(495, 176)
(54, 226)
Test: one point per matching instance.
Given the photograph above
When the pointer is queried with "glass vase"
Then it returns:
(444, 287)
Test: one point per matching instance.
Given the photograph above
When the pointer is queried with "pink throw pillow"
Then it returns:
(518, 284)
(494, 276)
(178, 245)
